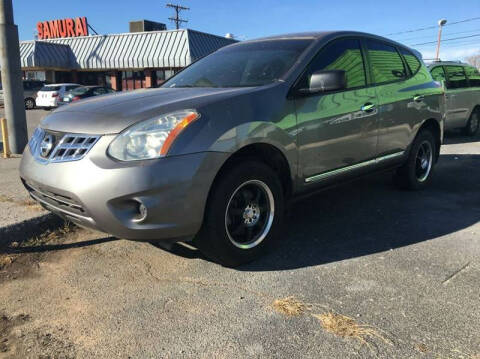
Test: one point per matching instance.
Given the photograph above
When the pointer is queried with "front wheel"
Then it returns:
(416, 173)
(473, 123)
(243, 214)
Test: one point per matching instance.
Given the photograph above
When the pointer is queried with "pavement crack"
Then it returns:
(455, 274)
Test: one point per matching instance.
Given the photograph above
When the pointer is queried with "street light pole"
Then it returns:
(12, 79)
(441, 23)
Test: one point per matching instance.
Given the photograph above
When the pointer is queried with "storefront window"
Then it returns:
(132, 80)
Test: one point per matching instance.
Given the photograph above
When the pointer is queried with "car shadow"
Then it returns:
(453, 137)
(371, 215)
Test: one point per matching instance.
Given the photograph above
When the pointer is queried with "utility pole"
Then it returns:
(177, 20)
(12, 79)
(441, 23)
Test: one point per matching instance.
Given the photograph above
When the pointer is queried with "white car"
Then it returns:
(49, 96)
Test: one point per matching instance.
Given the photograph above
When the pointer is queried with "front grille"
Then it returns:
(65, 147)
(72, 147)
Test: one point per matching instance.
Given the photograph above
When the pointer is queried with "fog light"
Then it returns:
(142, 213)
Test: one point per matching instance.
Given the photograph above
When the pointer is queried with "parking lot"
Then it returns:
(403, 266)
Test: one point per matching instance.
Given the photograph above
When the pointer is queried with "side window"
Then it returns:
(70, 87)
(456, 77)
(37, 86)
(387, 65)
(344, 54)
(411, 60)
(99, 91)
(438, 74)
(473, 76)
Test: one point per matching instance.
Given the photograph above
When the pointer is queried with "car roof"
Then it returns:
(318, 35)
(442, 63)
(62, 84)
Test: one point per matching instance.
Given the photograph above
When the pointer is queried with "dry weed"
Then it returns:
(290, 306)
(347, 327)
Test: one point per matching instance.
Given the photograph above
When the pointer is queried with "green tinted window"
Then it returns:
(387, 65)
(456, 77)
(473, 76)
(344, 54)
(411, 60)
(438, 74)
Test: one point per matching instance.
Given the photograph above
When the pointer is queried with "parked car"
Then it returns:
(218, 151)
(462, 84)
(49, 95)
(30, 88)
(82, 92)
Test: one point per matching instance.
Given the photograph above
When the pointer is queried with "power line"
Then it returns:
(429, 36)
(455, 42)
(177, 20)
(433, 27)
(451, 39)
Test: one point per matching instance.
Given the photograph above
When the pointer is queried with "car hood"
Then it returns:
(111, 114)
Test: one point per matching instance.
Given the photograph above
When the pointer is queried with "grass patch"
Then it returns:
(15, 248)
(5, 261)
(290, 306)
(28, 203)
(50, 235)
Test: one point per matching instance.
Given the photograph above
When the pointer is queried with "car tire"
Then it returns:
(473, 124)
(416, 172)
(29, 103)
(244, 213)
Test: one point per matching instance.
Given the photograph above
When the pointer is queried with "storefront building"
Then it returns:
(121, 61)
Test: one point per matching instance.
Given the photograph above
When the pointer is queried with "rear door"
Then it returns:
(400, 96)
(337, 131)
(458, 99)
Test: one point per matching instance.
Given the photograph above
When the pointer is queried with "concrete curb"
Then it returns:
(29, 228)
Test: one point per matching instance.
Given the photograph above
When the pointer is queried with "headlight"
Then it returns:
(151, 138)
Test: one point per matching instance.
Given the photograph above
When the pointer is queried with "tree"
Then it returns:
(474, 60)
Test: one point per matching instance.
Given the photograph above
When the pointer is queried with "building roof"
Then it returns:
(155, 49)
(46, 54)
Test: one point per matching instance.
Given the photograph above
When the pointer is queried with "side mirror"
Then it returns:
(329, 80)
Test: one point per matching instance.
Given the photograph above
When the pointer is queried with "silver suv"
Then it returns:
(462, 88)
(217, 152)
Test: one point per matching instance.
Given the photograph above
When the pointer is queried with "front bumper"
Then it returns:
(104, 194)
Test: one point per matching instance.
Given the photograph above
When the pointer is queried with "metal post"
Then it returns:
(12, 79)
(6, 147)
(440, 26)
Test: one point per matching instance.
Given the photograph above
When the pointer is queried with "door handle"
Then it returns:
(418, 98)
(368, 107)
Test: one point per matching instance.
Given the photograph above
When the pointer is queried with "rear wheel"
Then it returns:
(29, 103)
(243, 214)
(473, 123)
(416, 173)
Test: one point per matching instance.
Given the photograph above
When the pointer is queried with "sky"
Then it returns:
(249, 19)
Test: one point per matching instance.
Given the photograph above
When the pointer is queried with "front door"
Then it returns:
(337, 131)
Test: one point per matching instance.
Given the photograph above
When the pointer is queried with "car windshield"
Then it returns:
(50, 88)
(79, 91)
(243, 65)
